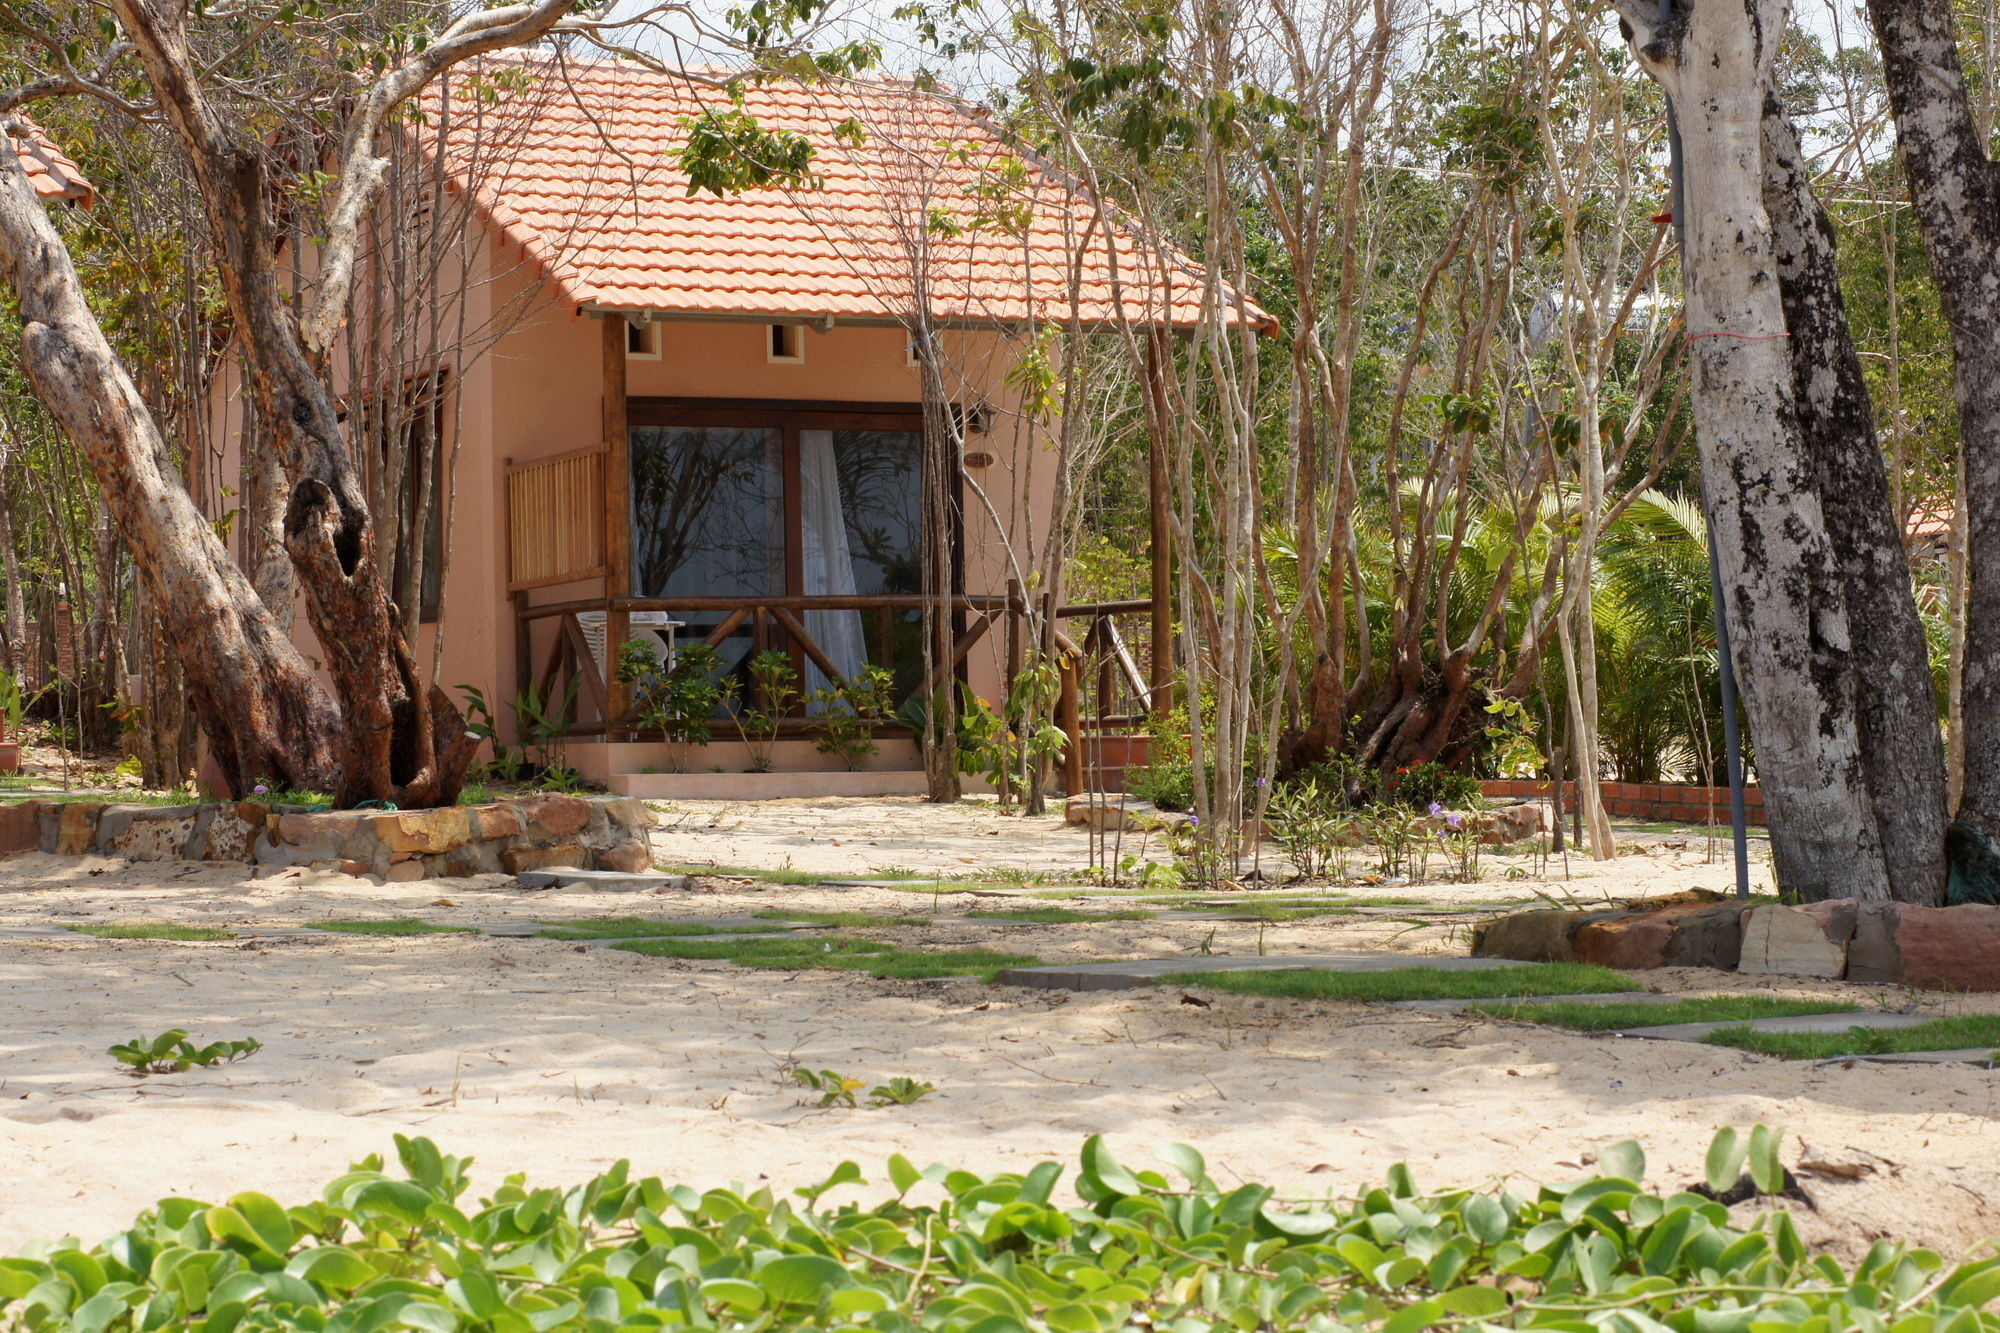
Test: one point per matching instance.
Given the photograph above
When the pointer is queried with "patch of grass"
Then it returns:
(1616, 1017)
(839, 918)
(396, 925)
(823, 951)
(1412, 983)
(153, 930)
(620, 928)
(1057, 916)
(1940, 1034)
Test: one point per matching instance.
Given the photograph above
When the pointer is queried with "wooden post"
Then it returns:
(617, 516)
(1159, 503)
(1069, 716)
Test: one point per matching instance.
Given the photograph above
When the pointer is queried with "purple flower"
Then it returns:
(1455, 819)
(261, 790)
(1437, 808)
(1194, 821)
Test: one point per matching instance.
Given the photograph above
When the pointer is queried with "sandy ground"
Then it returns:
(557, 1059)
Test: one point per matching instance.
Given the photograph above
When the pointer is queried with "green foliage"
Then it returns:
(680, 701)
(1313, 826)
(795, 952)
(480, 721)
(899, 1091)
(172, 1053)
(153, 930)
(772, 694)
(988, 1253)
(1413, 983)
(541, 719)
(1963, 1032)
(401, 925)
(1059, 916)
(834, 1088)
(1421, 786)
(1614, 1017)
(845, 714)
(727, 152)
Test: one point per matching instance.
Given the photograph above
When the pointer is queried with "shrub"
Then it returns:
(376, 1252)
(1421, 786)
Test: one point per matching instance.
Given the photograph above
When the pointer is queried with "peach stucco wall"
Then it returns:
(538, 392)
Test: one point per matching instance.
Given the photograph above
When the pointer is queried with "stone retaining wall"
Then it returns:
(1669, 802)
(528, 833)
(1932, 948)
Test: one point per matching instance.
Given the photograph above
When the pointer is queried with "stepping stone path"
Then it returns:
(1145, 971)
(562, 877)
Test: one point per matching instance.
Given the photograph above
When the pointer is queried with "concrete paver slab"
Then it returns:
(1605, 997)
(1145, 971)
(1791, 1023)
(610, 880)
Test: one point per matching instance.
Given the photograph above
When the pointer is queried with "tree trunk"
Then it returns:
(265, 715)
(1790, 636)
(1955, 193)
(1901, 754)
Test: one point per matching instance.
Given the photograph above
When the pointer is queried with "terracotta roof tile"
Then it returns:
(577, 165)
(50, 171)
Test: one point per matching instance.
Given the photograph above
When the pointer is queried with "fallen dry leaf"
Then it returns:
(1195, 1000)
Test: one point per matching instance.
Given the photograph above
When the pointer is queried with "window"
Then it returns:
(642, 341)
(788, 343)
(785, 499)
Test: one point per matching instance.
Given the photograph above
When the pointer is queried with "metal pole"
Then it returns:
(1732, 740)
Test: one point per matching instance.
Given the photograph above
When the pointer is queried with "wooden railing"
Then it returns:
(1106, 693)
(775, 621)
(1121, 697)
(555, 519)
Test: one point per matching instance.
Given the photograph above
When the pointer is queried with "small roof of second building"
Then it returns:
(49, 169)
(579, 166)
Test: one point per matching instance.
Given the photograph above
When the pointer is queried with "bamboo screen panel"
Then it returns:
(555, 519)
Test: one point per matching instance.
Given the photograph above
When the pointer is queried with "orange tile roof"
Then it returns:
(578, 168)
(52, 173)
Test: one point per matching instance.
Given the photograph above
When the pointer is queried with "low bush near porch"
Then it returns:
(954, 1252)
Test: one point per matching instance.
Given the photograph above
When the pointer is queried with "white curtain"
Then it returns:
(829, 570)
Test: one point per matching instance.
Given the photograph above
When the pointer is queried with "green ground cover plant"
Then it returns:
(171, 1053)
(1964, 1032)
(629, 928)
(1613, 1017)
(793, 953)
(1058, 916)
(950, 1251)
(152, 930)
(1412, 983)
(397, 925)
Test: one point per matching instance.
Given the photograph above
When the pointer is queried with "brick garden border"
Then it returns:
(508, 836)
(1667, 802)
(1849, 939)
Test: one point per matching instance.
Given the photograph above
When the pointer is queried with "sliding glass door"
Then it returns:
(756, 500)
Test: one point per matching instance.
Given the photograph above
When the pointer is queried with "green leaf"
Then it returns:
(1485, 1220)
(1186, 1161)
(1103, 1170)
(1725, 1159)
(1411, 1318)
(269, 1218)
(1473, 1302)
(902, 1174)
(1625, 1160)
(332, 1266)
(801, 1279)
(1767, 1172)
(745, 1297)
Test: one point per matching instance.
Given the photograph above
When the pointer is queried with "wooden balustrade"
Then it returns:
(1119, 699)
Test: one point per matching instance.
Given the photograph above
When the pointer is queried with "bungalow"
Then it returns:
(703, 418)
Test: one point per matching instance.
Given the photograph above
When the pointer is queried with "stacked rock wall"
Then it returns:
(529, 833)
(1932, 948)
